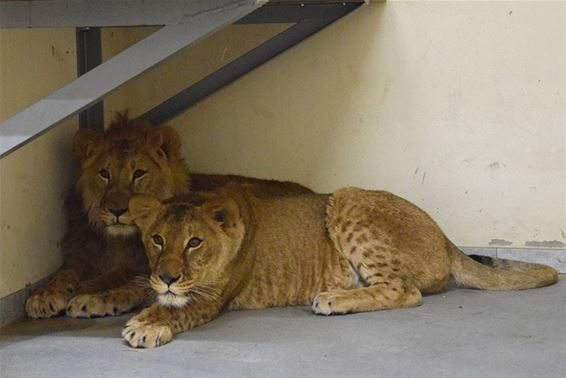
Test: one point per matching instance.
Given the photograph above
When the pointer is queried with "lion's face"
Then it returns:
(119, 165)
(192, 247)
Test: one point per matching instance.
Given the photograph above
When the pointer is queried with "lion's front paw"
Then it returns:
(141, 334)
(91, 305)
(46, 304)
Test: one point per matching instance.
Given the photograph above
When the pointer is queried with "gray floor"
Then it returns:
(461, 333)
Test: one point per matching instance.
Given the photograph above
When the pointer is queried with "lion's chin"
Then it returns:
(121, 230)
(172, 300)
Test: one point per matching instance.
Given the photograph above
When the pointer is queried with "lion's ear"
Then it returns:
(87, 143)
(225, 212)
(143, 209)
(167, 140)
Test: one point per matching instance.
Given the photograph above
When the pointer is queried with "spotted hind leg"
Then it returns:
(394, 294)
(385, 285)
(371, 254)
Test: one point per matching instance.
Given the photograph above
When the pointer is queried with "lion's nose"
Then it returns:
(118, 212)
(168, 279)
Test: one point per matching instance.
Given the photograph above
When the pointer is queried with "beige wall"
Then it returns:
(33, 63)
(457, 106)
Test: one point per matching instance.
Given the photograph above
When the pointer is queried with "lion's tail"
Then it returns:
(480, 272)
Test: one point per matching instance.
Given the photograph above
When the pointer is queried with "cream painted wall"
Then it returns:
(33, 180)
(456, 106)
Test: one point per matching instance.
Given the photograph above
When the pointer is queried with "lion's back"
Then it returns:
(294, 257)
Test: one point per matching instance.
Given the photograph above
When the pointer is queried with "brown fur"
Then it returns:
(352, 251)
(103, 251)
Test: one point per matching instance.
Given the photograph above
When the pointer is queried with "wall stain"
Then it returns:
(496, 165)
(56, 54)
(500, 242)
(545, 244)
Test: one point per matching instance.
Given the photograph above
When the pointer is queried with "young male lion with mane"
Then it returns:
(351, 251)
(104, 256)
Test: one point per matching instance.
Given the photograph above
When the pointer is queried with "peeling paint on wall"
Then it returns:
(546, 244)
(500, 242)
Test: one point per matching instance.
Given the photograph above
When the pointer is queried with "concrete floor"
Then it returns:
(461, 333)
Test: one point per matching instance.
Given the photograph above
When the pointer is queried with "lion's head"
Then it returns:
(194, 245)
(131, 157)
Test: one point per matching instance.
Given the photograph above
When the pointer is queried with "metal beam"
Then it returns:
(295, 13)
(244, 64)
(105, 13)
(100, 13)
(89, 56)
(92, 86)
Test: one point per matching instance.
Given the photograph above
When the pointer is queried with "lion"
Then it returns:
(352, 251)
(104, 256)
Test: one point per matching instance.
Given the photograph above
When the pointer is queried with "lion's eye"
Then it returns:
(104, 174)
(158, 240)
(194, 242)
(138, 173)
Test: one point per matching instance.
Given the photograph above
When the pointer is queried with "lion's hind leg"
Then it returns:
(394, 294)
(361, 238)
(382, 275)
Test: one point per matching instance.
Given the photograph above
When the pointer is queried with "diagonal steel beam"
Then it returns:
(282, 13)
(244, 64)
(89, 88)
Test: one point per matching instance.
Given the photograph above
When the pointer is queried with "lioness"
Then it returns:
(104, 253)
(352, 251)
